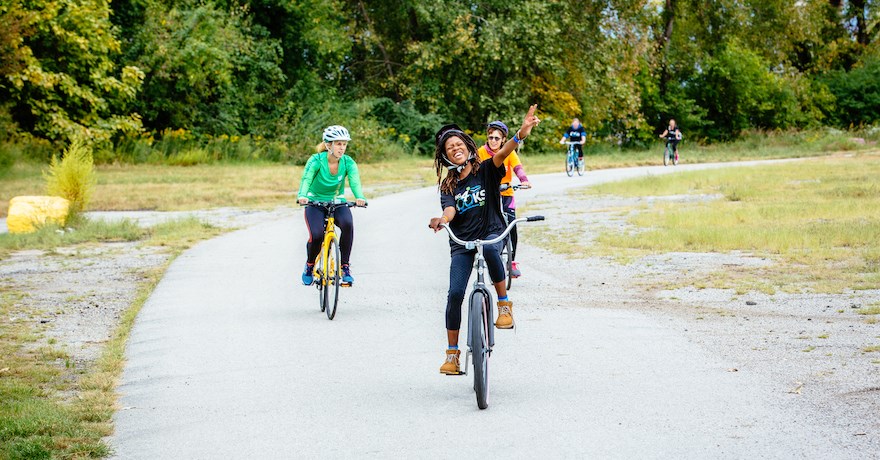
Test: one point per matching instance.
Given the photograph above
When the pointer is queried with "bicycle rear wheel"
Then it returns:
(569, 165)
(666, 156)
(507, 258)
(479, 333)
(334, 278)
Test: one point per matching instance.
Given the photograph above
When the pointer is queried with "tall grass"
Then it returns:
(73, 176)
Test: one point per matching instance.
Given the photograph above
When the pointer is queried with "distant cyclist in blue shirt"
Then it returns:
(576, 133)
(672, 136)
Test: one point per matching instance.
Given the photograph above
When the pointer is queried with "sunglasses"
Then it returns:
(495, 138)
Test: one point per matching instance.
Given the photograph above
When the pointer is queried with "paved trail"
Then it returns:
(231, 358)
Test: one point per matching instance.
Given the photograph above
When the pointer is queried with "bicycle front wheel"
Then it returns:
(666, 156)
(569, 166)
(334, 278)
(581, 166)
(319, 282)
(479, 332)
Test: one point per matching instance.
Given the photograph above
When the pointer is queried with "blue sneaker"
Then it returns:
(308, 275)
(346, 275)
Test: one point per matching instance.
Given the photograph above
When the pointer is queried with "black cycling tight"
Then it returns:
(460, 269)
(315, 225)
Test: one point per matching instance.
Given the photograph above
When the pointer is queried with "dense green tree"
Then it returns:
(207, 70)
(62, 80)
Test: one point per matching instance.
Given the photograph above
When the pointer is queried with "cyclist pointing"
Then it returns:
(471, 203)
(323, 179)
(576, 133)
(496, 136)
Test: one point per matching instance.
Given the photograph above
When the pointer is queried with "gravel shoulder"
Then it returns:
(809, 347)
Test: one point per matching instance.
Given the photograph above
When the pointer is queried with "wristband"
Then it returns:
(445, 220)
(517, 139)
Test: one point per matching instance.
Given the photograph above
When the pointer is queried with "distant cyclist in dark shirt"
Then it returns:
(576, 133)
(672, 136)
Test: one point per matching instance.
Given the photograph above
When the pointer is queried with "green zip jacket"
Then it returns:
(319, 185)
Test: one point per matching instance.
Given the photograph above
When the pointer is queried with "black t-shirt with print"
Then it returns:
(477, 203)
(575, 135)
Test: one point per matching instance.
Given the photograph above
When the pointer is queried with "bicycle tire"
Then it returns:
(507, 258)
(666, 156)
(580, 166)
(479, 333)
(569, 166)
(334, 278)
(319, 282)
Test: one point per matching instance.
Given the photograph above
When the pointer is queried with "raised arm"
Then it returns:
(529, 122)
(665, 132)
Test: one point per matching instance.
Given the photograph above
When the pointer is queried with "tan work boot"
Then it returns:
(505, 315)
(451, 366)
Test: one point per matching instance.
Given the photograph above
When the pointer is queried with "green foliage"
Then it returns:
(62, 81)
(857, 93)
(73, 176)
(272, 72)
(206, 70)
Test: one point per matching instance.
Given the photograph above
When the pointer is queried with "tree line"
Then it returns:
(395, 70)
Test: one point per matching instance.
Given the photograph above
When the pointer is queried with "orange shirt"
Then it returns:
(512, 161)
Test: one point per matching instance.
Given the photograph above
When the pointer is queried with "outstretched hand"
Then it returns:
(529, 122)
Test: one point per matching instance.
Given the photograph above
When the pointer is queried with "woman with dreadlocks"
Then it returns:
(471, 203)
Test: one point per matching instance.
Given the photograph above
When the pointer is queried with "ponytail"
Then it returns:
(320, 147)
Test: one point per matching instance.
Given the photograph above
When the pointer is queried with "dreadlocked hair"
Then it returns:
(448, 182)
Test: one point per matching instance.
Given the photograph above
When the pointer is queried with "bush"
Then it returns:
(857, 92)
(73, 176)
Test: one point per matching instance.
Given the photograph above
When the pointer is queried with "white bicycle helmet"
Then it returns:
(336, 133)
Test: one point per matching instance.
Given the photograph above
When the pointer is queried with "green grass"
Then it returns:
(820, 219)
(873, 309)
(36, 419)
(50, 237)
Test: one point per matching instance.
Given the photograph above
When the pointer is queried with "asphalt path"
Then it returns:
(231, 358)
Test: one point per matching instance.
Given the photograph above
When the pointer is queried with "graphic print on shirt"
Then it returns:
(472, 197)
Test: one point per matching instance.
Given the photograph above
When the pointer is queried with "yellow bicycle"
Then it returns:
(328, 265)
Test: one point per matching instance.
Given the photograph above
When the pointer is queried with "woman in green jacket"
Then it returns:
(324, 180)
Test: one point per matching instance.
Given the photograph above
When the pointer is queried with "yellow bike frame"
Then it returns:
(323, 257)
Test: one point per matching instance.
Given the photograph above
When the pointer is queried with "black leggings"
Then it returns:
(315, 226)
(460, 269)
(580, 150)
(506, 201)
(673, 144)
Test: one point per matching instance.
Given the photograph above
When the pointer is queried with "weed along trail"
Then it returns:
(232, 358)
